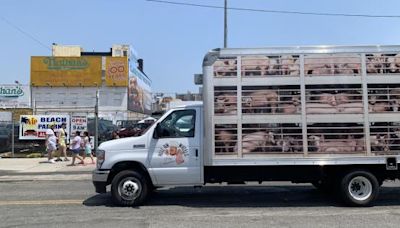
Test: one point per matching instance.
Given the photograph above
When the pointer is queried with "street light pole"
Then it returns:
(96, 121)
(226, 24)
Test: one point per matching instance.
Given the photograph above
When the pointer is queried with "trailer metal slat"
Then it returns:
(264, 114)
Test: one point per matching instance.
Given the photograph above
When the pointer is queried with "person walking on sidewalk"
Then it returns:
(62, 146)
(75, 148)
(87, 146)
(51, 142)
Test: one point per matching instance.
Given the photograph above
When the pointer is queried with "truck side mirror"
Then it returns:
(157, 132)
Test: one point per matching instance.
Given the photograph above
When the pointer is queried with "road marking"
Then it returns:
(40, 202)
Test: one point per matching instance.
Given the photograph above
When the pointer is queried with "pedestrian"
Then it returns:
(51, 142)
(87, 146)
(62, 146)
(115, 135)
(75, 147)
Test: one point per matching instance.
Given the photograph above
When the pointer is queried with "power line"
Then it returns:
(276, 11)
(25, 33)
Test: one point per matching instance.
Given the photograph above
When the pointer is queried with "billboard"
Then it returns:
(117, 71)
(139, 91)
(33, 127)
(15, 96)
(66, 71)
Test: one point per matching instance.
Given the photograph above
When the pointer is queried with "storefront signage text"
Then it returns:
(11, 91)
(66, 64)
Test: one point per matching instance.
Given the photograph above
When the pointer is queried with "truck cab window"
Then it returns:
(178, 124)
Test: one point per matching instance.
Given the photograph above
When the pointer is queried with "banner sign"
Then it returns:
(66, 71)
(117, 71)
(139, 99)
(139, 91)
(15, 96)
(79, 123)
(33, 127)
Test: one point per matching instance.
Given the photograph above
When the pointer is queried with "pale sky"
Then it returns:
(173, 39)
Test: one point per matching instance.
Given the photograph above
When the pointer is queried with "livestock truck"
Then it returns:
(326, 115)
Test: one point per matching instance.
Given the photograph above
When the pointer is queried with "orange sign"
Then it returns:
(117, 71)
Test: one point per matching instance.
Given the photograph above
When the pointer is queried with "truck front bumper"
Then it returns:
(99, 178)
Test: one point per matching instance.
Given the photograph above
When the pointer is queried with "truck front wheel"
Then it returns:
(359, 188)
(129, 188)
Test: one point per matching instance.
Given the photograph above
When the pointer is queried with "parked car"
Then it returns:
(5, 138)
(106, 127)
(134, 130)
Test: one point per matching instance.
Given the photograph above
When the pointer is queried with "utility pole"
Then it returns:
(96, 120)
(13, 124)
(226, 24)
(12, 133)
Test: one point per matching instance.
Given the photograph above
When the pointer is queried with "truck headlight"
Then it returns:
(101, 156)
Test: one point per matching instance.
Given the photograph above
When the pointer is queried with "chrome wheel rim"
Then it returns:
(360, 188)
(129, 189)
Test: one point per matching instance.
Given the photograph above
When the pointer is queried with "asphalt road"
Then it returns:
(74, 204)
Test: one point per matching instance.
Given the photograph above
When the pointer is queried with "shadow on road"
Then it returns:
(237, 196)
(99, 200)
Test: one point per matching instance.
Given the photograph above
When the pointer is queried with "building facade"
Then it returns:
(15, 100)
(67, 82)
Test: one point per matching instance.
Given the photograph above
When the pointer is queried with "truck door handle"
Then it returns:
(197, 152)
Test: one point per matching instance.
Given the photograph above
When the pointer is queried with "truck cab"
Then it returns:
(168, 153)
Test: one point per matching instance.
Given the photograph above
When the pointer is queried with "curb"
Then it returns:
(14, 173)
(45, 177)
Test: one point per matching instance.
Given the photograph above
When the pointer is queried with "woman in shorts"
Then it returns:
(87, 146)
(75, 148)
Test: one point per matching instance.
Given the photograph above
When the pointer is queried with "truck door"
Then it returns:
(175, 148)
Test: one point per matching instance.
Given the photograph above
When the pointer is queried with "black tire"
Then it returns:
(358, 188)
(135, 191)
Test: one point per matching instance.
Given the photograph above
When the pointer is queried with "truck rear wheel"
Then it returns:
(359, 188)
(129, 188)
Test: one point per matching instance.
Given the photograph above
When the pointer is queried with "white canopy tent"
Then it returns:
(147, 119)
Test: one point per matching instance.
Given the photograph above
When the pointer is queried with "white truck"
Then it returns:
(326, 115)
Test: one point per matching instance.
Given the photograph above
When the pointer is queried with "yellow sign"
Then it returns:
(66, 71)
(117, 71)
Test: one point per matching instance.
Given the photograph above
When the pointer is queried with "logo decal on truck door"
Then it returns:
(173, 152)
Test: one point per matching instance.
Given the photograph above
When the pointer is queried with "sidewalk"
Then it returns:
(31, 169)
